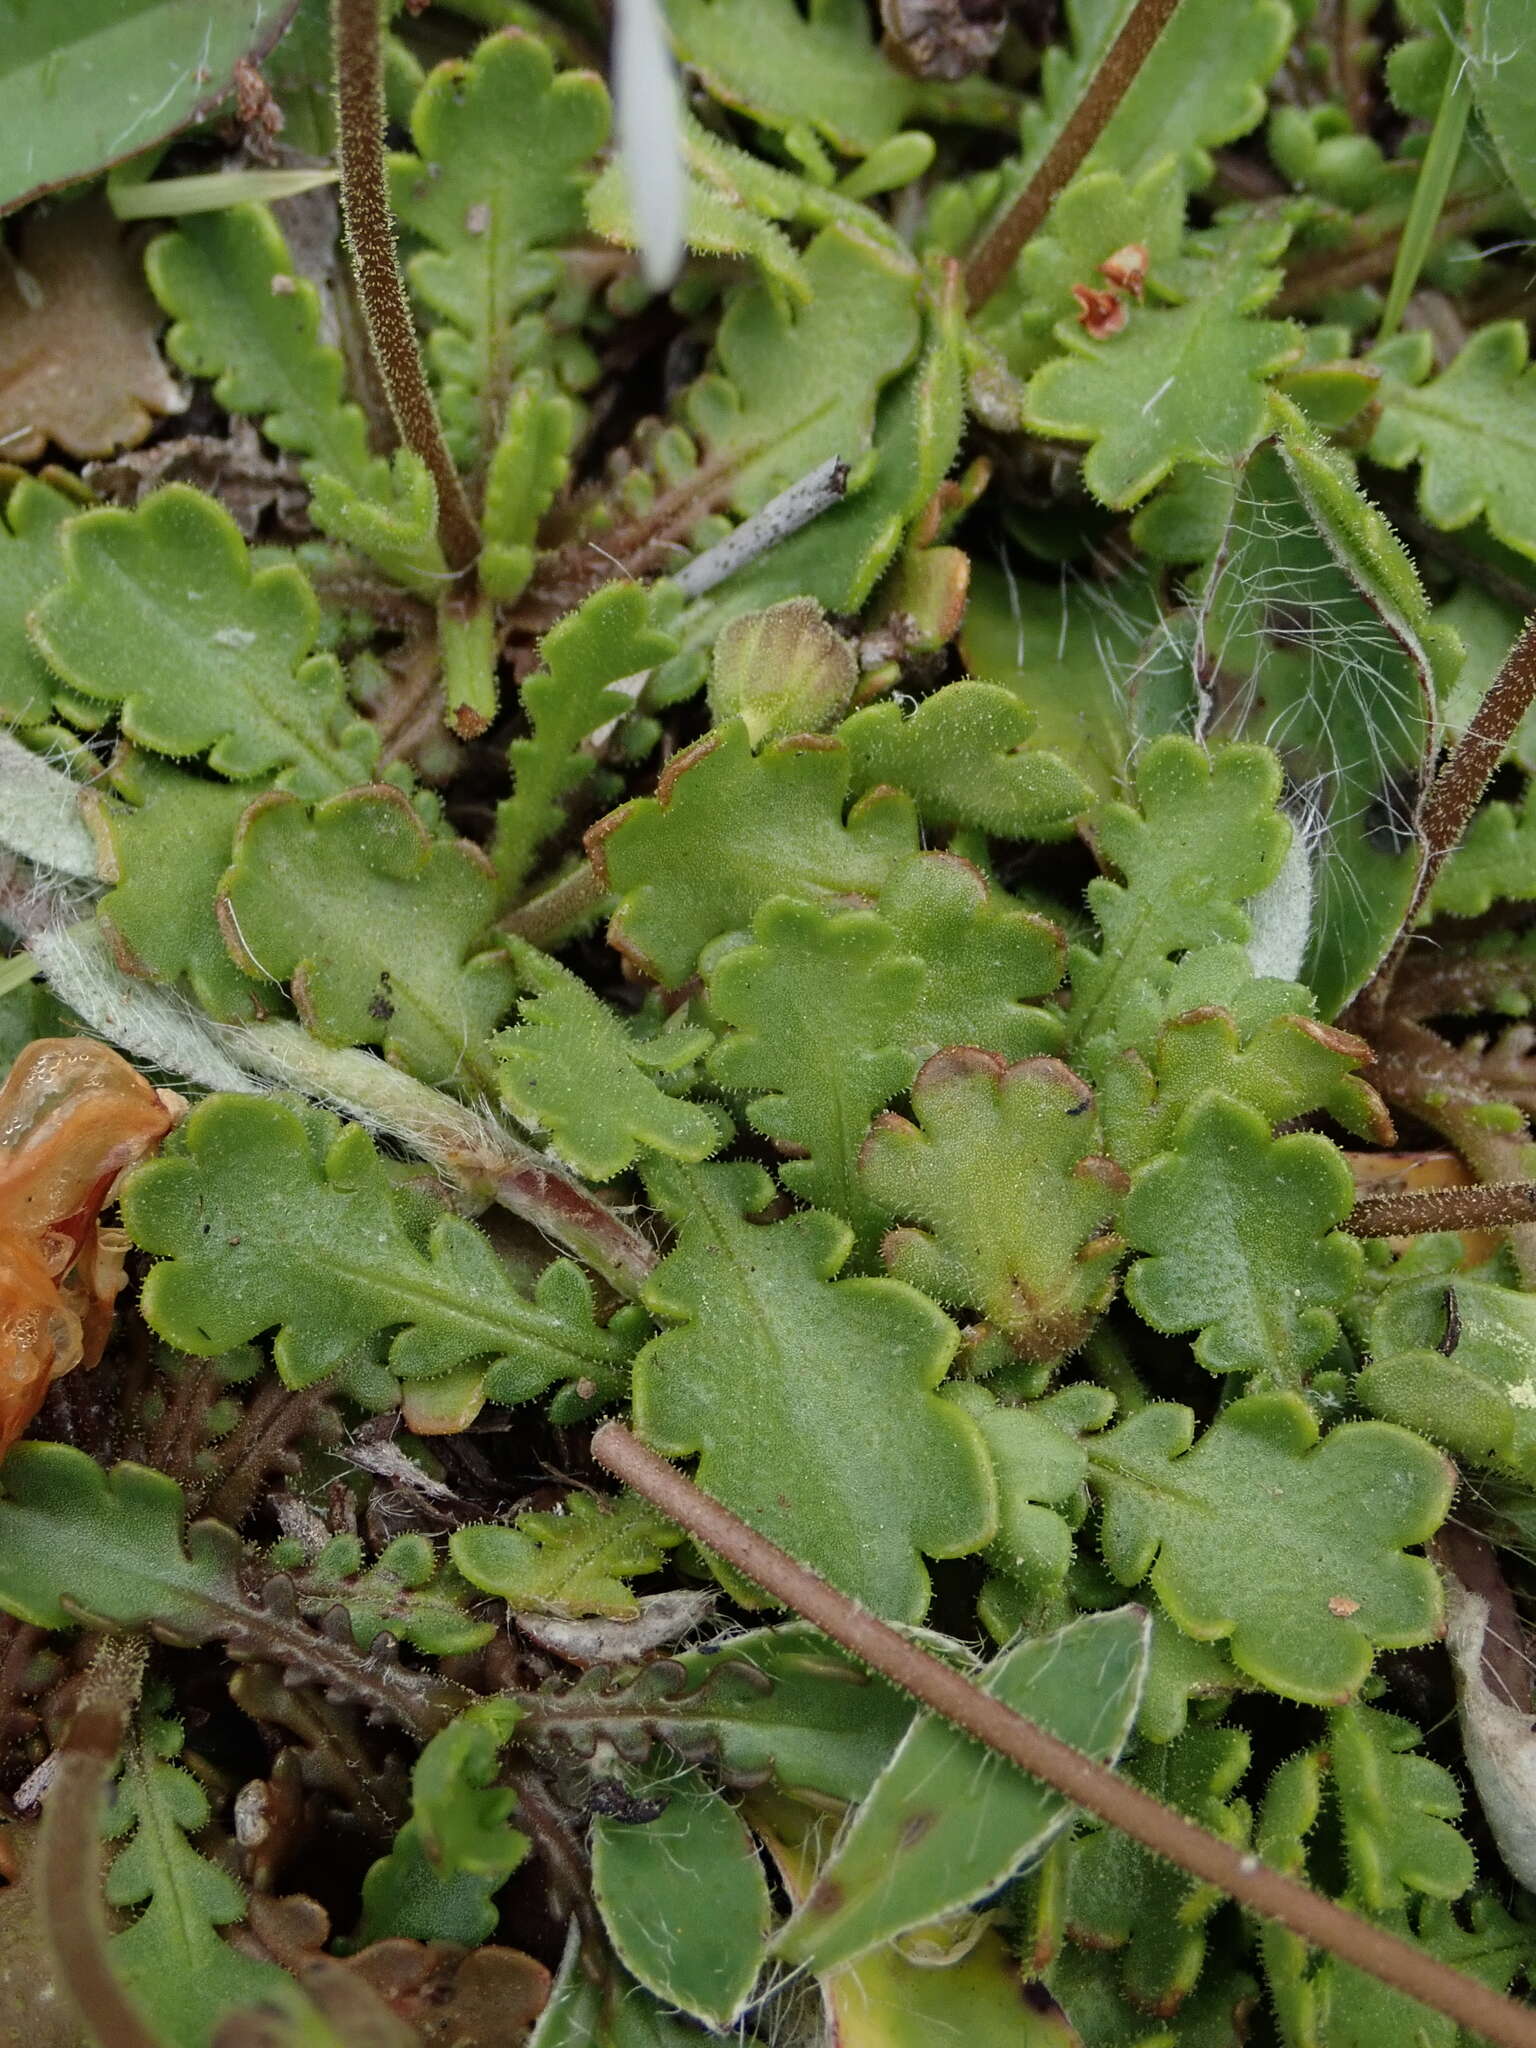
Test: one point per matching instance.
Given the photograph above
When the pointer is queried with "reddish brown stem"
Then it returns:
(69, 1851)
(1456, 789)
(994, 259)
(370, 229)
(1090, 1785)
(1406, 1215)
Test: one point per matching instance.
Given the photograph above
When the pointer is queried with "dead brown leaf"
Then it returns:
(79, 362)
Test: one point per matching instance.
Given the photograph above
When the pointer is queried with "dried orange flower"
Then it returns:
(1103, 313)
(73, 1115)
(1127, 268)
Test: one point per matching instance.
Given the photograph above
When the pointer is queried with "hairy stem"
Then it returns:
(1090, 1785)
(1455, 791)
(992, 262)
(545, 919)
(381, 289)
(1475, 1208)
(69, 1850)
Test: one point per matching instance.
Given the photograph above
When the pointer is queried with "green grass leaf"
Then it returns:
(871, 1469)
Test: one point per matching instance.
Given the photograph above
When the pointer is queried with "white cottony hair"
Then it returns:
(650, 136)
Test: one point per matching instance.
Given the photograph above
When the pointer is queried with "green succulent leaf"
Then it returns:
(1223, 1216)
(609, 639)
(1119, 1897)
(684, 1899)
(874, 1469)
(170, 1957)
(176, 824)
(573, 1562)
(1179, 383)
(265, 1219)
(162, 613)
(572, 1067)
(1468, 429)
(1003, 1172)
(243, 316)
(110, 79)
(945, 1823)
(375, 925)
(31, 562)
(963, 756)
(1291, 1548)
(503, 147)
(727, 830)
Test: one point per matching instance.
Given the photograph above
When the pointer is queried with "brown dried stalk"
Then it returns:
(1475, 1208)
(68, 1865)
(994, 259)
(375, 265)
(1091, 1785)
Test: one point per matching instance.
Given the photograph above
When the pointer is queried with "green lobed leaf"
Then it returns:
(1291, 1548)
(609, 639)
(685, 1900)
(570, 1562)
(1179, 383)
(1121, 1898)
(1470, 429)
(173, 823)
(108, 78)
(572, 1067)
(1002, 1170)
(406, 1896)
(1211, 62)
(243, 316)
(962, 754)
(400, 1593)
(1207, 837)
(787, 391)
(162, 613)
(375, 925)
(727, 830)
(31, 562)
(78, 1539)
(1241, 1229)
(945, 1822)
(170, 1958)
(1495, 861)
(460, 1809)
(1395, 1811)
(1041, 1469)
(265, 1219)
(503, 147)
(871, 1468)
